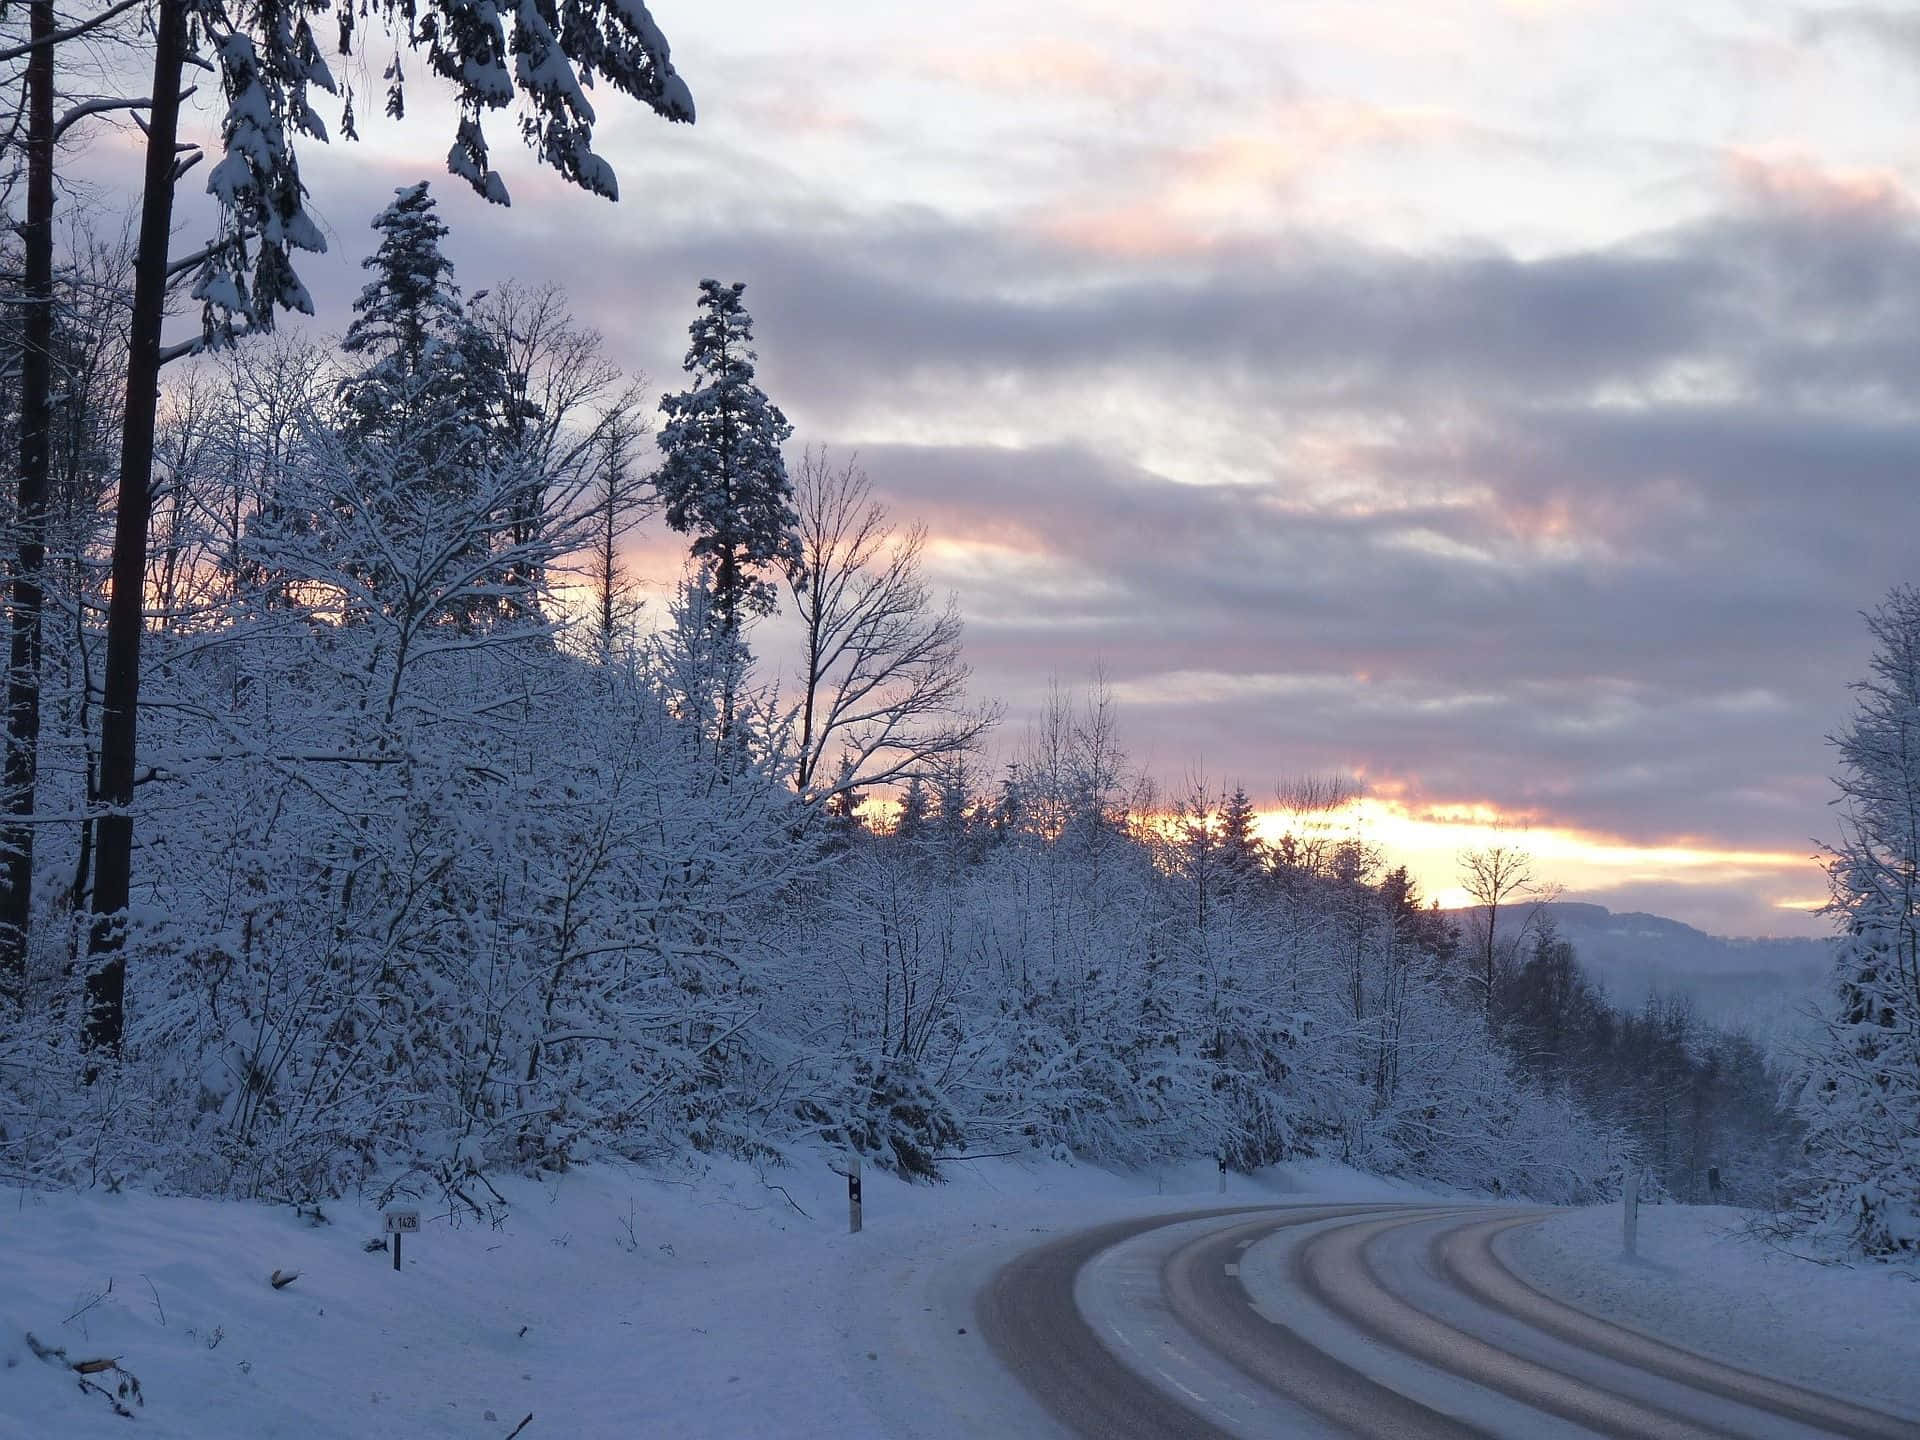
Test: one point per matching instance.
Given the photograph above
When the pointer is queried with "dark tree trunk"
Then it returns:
(726, 592)
(816, 618)
(30, 514)
(113, 837)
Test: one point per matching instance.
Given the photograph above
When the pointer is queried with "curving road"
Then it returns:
(1391, 1321)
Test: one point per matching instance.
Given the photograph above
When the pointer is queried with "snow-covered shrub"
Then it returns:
(891, 1116)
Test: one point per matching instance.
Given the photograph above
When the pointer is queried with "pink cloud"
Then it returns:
(1049, 66)
(1781, 179)
(1218, 191)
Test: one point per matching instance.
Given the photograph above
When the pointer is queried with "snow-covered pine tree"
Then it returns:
(724, 480)
(1242, 852)
(432, 407)
(1863, 1094)
(695, 663)
(915, 808)
(412, 298)
(424, 353)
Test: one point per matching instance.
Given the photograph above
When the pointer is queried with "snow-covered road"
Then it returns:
(1373, 1320)
(731, 1304)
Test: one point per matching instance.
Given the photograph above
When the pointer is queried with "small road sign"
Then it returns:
(400, 1222)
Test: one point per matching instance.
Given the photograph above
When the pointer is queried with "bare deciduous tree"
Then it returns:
(568, 402)
(1309, 803)
(882, 678)
(1492, 875)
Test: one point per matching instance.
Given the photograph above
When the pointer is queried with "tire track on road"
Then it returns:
(1204, 1291)
(1488, 1355)
(1333, 1268)
(1029, 1316)
(1466, 1256)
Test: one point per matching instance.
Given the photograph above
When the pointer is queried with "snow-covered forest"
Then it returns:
(437, 854)
(452, 858)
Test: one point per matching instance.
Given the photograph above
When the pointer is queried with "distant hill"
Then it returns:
(1761, 985)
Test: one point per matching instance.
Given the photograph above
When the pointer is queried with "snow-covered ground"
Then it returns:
(609, 1304)
(1699, 1282)
(613, 1303)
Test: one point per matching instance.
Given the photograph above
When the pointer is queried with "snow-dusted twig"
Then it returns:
(785, 1196)
(100, 1296)
(154, 1291)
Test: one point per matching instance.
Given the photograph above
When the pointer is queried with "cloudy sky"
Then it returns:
(1505, 401)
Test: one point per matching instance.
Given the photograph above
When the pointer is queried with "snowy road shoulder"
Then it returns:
(1700, 1283)
(608, 1304)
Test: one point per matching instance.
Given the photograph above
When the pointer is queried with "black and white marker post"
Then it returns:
(849, 1166)
(400, 1222)
(1630, 1213)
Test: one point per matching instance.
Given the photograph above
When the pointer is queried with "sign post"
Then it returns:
(1630, 1212)
(400, 1222)
(853, 1195)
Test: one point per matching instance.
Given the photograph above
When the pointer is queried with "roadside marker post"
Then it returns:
(1223, 1174)
(1630, 1212)
(400, 1222)
(849, 1166)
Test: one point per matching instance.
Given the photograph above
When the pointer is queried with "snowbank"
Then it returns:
(610, 1303)
(1699, 1282)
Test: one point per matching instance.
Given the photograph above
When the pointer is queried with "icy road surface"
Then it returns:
(1372, 1320)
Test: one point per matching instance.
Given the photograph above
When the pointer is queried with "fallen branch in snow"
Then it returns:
(521, 1426)
(789, 1199)
(52, 1353)
(127, 1389)
(494, 1213)
(90, 1304)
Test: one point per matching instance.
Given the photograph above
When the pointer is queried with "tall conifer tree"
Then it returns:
(428, 364)
(1864, 1097)
(724, 480)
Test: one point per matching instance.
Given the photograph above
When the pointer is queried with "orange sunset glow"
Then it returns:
(1428, 840)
